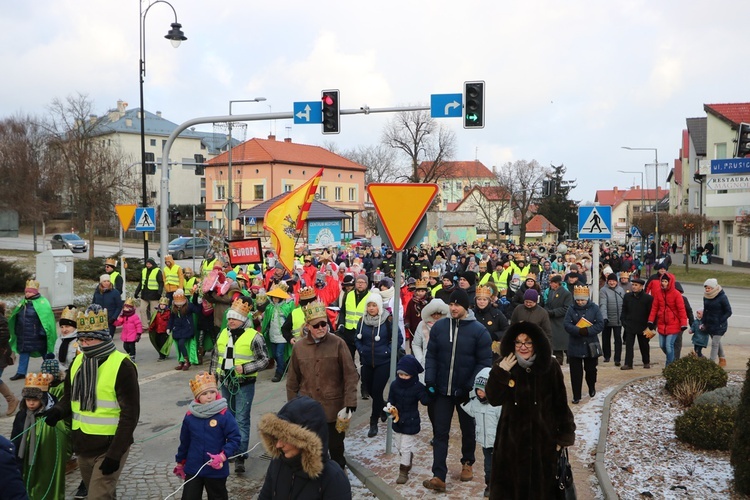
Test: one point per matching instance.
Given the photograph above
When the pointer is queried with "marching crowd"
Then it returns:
(481, 331)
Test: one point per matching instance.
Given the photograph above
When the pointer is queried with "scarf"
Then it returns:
(207, 410)
(387, 294)
(62, 354)
(405, 383)
(525, 363)
(713, 293)
(84, 384)
(30, 422)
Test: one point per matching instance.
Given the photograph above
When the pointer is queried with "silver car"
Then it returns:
(182, 247)
(69, 241)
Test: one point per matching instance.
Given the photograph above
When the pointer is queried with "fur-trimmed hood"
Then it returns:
(433, 306)
(302, 423)
(542, 347)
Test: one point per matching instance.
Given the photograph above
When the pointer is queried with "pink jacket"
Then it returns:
(131, 327)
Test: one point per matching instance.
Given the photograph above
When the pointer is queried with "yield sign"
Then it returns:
(400, 208)
(125, 213)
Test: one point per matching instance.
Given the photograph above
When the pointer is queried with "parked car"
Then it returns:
(185, 246)
(360, 242)
(69, 241)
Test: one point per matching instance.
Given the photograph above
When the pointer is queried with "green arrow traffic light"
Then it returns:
(474, 104)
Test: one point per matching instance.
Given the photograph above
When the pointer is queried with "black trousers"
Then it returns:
(215, 487)
(630, 337)
(577, 367)
(374, 381)
(336, 444)
(616, 332)
(442, 408)
(129, 348)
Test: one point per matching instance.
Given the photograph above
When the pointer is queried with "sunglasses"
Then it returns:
(319, 325)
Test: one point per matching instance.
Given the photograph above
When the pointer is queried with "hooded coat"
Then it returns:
(716, 313)
(311, 474)
(668, 311)
(422, 333)
(485, 415)
(557, 304)
(374, 342)
(534, 420)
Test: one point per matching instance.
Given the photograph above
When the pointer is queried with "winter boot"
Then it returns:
(10, 398)
(403, 474)
(466, 473)
(179, 366)
(186, 366)
(434, 484)
(723, 362)
(373, 429)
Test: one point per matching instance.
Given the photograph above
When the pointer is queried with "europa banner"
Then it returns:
(245, 252)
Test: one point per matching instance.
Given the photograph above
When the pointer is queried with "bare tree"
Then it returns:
(523, 181)
(491, 205)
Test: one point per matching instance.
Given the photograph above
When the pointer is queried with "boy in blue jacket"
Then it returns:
(208, 437)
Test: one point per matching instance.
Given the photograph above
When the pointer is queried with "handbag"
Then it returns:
(595, 350)
(566, 488)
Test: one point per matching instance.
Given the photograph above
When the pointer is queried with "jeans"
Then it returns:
(487, 452)
(717, 350)
(182, 349)
(278, 355)
(23, 363)
(240, 405)
(443, 407)
(666, 343)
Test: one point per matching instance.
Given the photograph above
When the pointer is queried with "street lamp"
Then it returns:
(230, 212)
(175, 36)
(656, 178)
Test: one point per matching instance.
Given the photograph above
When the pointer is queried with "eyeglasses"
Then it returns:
(528, 343)
(319, 325)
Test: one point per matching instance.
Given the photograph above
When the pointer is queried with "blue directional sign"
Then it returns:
(731, 166)
(446, 105)
(145, 219)
(595, 223)
(308, 112)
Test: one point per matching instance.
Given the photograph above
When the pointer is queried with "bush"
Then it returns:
(740, 455)
(724, 396)
(91, 269)
(12, 277)
(709, 427)
(701, 369)
(688, 390)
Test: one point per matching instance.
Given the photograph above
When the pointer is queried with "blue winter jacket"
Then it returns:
(457, 351)
(13, 487)
(30, 334)
(374, 352)
(200, 436)
(578, 346)
(716, 313)
(111, 300)
(406, 395)
(182, 324)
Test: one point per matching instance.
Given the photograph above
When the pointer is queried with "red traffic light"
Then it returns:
(328, 100)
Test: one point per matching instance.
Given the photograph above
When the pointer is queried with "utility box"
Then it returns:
(54, 272)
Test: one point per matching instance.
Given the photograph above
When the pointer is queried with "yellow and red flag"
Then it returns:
(286, 217)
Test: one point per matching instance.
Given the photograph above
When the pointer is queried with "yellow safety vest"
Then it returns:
(189, 286)
(298, 319)
(172, 275)
(113, 277)
(354, 312)
(436, 289)
(243, 349)
(152, 283)
(102, 422)
(484, 279)
(206, 267)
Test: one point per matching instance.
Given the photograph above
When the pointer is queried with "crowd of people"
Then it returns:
(481, 331)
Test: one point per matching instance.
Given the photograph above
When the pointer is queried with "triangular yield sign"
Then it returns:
(125, 213)
(400, 208)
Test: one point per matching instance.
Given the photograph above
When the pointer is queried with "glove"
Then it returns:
(351, 409)
(217, 460)
(606, 322)
(504, 301)
(683, 328)
(496, 346)
(462, 395)
(584, 332)
(179, 471)
(431, 388)
(109, 466)
(52, 416)
(508, 362)
(651, 325)
(138, 338)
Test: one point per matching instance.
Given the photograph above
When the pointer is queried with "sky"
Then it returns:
(566, 82)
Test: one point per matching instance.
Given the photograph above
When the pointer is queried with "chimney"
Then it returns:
(271, 137)
(92, 118)
(288, 139)
(121, 106)
(158, 114)
(615, 190)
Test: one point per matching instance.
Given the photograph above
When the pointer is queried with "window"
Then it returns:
(203, 183)
(352, 194)
(721, 150)
(152, 142)
(220, 192)
(337, 193)
(238, 191)
(287, 188)
(459, 185)
(323, 192)
(258, 192)
(153, 195)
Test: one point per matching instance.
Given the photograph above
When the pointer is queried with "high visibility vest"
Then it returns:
(298, 319)
(113, 277)
(206, 267)
(484, 279)
(103, 421)
(243, 349)
(189, 286)
(172, 275)
(436, 289)
(496, 277)
(354, 311)
(152, 283)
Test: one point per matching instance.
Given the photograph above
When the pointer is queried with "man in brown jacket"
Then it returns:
(322, 368)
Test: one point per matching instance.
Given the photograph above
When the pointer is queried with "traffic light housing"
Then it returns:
(474, 104)
(743, 141)
(200, 168)
(331, 112)
(548, 188)
(150, 165)
(174, 218)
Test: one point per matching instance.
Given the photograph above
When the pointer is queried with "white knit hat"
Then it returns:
(712, 282)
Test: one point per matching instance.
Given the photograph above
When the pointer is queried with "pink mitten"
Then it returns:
(217, 461)
(179, 471)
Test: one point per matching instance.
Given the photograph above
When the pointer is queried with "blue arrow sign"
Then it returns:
(595, 223)
(145, 219)
(308, 112)
(446, 105)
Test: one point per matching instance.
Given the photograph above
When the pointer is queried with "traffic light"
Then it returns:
(474, 104)
(743, 141)
(150, 164)
(330, 111)
(174, 218)
(200, 168)
(548, 188)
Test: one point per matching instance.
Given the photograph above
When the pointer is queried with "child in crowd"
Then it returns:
(157, 328)
(181, 322)
(279, 307)
(486, 417)
(404, 396)
(208, 437)
(132, 328)
(66, 345)
(41, 450)
(700, 337)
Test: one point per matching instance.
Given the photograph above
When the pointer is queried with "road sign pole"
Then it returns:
(122, 266)
(595, 273)
(394, 342)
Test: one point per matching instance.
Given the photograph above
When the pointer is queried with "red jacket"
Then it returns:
(668, 310)
(159, 322)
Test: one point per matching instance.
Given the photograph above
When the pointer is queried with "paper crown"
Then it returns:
(69, 313)
(92, 322)
(421, 284)
(425, 274)
(482, 263)
(530, 276)
(314, 310)
(242, 307)
(624, 274)
(282, 285)
(257, 283)
(130, 302)
(483, 292)
(164, 300)
(110, 262)
(32, 284)
(202, 382)
(518, 256)
(38, 381)
(435, 272)
(307, 293)
(581, 291)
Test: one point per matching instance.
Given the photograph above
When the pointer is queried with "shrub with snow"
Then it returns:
(692, 369)
(724, 396)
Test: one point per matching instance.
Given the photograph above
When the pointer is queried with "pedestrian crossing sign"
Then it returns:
(145, 219)
(595, 223)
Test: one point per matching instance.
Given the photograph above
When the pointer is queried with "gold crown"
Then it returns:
(202, 382)
(92, 322)
(307, 293)
(38, 381)
(32, 284)
(110, 262)
(530, 276)
(435, 272)
(421, 284)
(581, 291)
(164, 300)
(624, 274)
(258, 282)
(68, 313)
(518, 256)
(483, 292)
(241, 307)
(281, 286)
(130, 302)
(425, 274)
(315, 310)
(482, 263)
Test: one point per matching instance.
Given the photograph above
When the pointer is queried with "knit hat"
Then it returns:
(348, 280)
(460, 297)
(612, 277)
(531, 294)
(377, 299)
(362, 277)
(471, 277)
(712, 282)
(51, 365)
(386, 282)
(104, 277)
(409, 365)
(240, 310)
(480, 381)
(232, 275)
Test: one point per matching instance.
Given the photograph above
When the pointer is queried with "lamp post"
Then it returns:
(656, 178)
(176, 36)
(230, 189)
(642, 201)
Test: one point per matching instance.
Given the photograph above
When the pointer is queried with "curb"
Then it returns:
(372, 482)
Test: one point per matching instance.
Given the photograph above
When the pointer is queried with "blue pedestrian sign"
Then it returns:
(446, 105)
(635, 232)
(308, 112)
(595, 223)
(250, 221)
(145, 219)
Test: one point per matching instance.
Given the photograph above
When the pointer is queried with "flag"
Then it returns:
(287, 216)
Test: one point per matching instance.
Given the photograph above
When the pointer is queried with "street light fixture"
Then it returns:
(656, 178)
(642, 201)
(175, 36)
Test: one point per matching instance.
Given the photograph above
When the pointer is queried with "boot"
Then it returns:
(179, 366)
(434, 484)
(373, 430)
(10, 398)
(466, 473)
(403, 474)
(723, 362)
(186, 366)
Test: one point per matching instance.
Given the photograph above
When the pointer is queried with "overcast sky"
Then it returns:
(567, 82)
